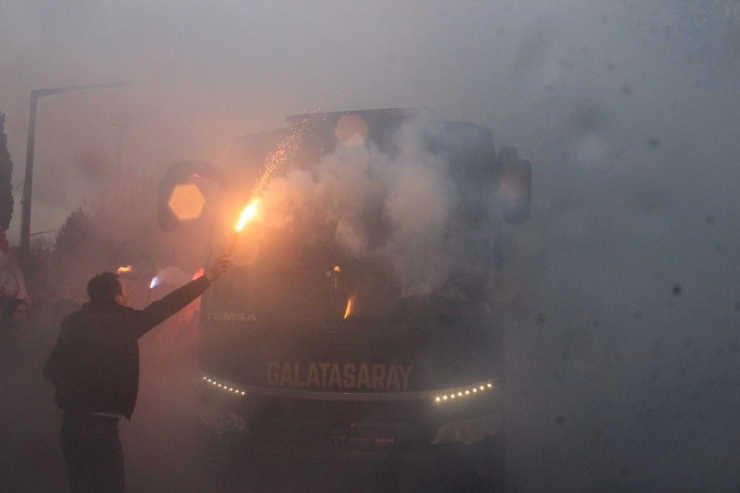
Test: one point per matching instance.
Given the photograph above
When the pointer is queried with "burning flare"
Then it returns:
(247, 215)
(124, 269)
(348, 310)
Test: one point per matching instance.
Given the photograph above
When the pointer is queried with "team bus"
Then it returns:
(357, 322)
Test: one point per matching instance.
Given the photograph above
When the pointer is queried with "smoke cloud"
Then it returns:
(623, 352)
(395, 207)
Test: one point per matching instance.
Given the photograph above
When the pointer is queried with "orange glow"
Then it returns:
(337, 269)
(187, 201)
(124, 269)
(247, 214)
(348, 310)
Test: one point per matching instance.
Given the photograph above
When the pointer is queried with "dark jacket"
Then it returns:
(95, 363)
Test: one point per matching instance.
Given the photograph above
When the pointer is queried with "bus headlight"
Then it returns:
(468, 431)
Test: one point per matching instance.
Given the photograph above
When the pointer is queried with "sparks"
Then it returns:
(276, 161)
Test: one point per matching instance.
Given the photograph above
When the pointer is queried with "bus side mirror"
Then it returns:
(515, 189)
(177, 187)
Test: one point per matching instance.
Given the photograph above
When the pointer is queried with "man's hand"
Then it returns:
(218, 268)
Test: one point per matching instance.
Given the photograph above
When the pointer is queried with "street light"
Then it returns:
(27, 184)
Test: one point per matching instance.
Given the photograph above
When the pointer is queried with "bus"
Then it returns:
(358, 322)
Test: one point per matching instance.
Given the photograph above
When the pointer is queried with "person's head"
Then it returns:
(21, 311)
(107, 289)
(16, 310)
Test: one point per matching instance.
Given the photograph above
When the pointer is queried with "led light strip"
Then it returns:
(224, 387)
(463, 392)
(438, 396)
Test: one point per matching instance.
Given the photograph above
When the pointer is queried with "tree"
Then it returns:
(116, 228)
(6, 179)
(6, 196)
(76, 256)
(76, 233)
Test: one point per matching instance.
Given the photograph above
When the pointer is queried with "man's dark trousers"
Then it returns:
(94, 455)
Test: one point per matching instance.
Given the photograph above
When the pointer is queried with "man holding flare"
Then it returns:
(95, 370)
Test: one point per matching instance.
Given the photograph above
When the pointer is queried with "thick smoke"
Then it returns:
(622, 335)
(393, 207)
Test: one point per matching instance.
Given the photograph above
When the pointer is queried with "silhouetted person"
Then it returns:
(95, 369)
(13, 324)
(13, 320)
(15, 313)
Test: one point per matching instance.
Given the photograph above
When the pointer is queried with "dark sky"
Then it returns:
(625, 328)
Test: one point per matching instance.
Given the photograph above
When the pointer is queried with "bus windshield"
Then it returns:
(348, 229)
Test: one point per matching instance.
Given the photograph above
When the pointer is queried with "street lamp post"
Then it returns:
(28, 183)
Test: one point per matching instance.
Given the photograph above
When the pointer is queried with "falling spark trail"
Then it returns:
(275, 162)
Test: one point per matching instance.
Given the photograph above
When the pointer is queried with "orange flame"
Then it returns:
(124, 269)
(348, 310)
(247, 214)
